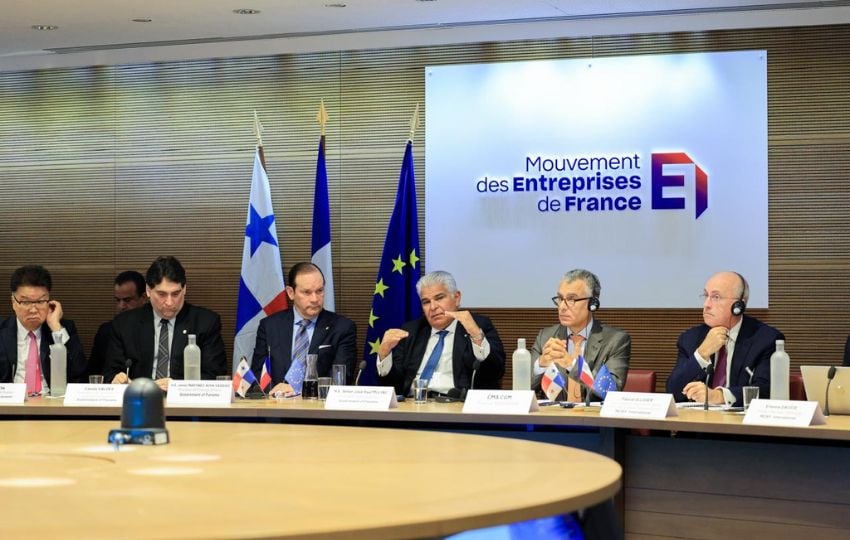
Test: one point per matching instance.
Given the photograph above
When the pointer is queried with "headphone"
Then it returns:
(592, 304)
(740, 305)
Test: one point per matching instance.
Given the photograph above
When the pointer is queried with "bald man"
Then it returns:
(737, 345)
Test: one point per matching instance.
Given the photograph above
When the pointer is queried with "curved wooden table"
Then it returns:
(234, 480)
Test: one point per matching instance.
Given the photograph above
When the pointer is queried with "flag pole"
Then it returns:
(414, 123)
(258, 132)
(322, 117)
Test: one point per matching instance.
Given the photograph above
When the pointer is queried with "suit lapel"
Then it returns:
(461, 342)
(145, 345)
(742, 350)
(594, 345)
(282, 348)
(182, 329)
(323, 326)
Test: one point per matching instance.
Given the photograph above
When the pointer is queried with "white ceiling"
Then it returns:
(95, 32)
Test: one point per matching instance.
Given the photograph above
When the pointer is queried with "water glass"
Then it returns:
(95, 379)
(420, 390)
(338, 374)
(750, 393)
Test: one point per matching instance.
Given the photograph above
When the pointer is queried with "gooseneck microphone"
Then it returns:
(128, 363)
(829, 376)
(360, 367)
(709, 371)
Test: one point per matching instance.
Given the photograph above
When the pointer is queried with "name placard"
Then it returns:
(361, 398)
(199, 393)
(785, 413)
(12, 393)
(638, 405)
(94, 395)
(500, 402)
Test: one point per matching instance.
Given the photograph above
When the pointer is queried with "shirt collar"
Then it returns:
(298, 318)
(451, 328)
(584, 332)
(23, 333)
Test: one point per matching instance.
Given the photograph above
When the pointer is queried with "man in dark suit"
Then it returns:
(738, 347)
(577, 333)
(129, 294)
(330, 336)
(25, 337)
(443, 346)
(152, 338)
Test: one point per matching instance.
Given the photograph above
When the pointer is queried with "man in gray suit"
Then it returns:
(579, 333)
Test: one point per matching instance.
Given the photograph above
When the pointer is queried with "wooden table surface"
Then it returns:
(245, 480)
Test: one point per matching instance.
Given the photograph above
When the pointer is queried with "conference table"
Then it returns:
(696, 475)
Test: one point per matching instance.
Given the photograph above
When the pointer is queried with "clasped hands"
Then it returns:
(555, 351)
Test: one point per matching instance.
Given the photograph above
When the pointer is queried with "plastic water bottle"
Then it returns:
(521, 366)
(780, 366)
(58, 369)
(192, 360)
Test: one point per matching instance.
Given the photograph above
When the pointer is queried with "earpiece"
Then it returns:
(740, 305)
(592, 304)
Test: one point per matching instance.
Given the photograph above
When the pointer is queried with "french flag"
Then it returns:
(266, 375)
(581, 371)
(321, 244)
(552, 382)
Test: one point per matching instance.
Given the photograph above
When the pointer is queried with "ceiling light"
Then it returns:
(44, 27)
(339, 5)
(246, 11)
(142, 20)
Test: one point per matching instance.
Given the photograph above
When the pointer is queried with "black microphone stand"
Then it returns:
(709, 371)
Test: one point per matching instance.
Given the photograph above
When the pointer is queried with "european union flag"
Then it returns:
(604, 382)
(395, 301)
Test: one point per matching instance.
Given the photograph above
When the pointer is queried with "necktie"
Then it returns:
(33, 375)
(295, 374)
(573, 386)
(434, 359)
(720, 368)
(162, 357)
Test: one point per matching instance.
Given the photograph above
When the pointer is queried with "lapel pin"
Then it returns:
(184, 331)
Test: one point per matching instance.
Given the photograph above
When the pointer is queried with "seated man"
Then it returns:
(149, 341)
(738, 346)
(306, 328)
(442, 346)
(579, 333)
(129, 294)
(25, 337)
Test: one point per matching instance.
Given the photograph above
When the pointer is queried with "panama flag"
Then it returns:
(552, 382)
(322, 226)
(243, 378)
(581, 371)
(261, 289)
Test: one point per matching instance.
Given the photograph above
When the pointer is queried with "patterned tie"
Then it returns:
(295, 374)
(33, 373)
(162, 352)
(573, 386)
(434, 359)
(720, 368)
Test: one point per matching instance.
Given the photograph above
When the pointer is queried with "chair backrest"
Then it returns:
(796, 390)
(640, 380)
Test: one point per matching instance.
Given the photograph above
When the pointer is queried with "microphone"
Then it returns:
(829, 376)
(128, 363)
(360, 367)
(709, 371)
(475, 366)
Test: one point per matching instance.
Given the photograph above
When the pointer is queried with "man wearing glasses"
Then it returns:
(738, 347)
(26, 337)
(578, 333)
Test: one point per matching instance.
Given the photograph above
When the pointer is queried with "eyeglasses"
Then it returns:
(570, 301)
(714, 297)
(26, 304)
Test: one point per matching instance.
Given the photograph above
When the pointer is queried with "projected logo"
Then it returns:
(661, 181)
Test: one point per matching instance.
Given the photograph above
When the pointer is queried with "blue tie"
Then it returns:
(295, 375)
(434, 359)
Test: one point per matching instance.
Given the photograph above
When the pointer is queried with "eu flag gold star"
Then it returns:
(372, 318)
(380, 287)
(413, 258)
(398, 264)
(375, 345)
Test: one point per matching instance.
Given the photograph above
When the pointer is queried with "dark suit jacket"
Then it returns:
(97, 355)
(847, 352)
(334, 340)
(408, 354)
(133, 338)
(756, 342)
(9, 351)
(605, 345)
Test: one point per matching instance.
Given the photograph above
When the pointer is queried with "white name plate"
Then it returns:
(638, 405)
(12, 393)
(361, 398)
(785, 413)
(199, 393)
(95, 395)
(500, 402)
